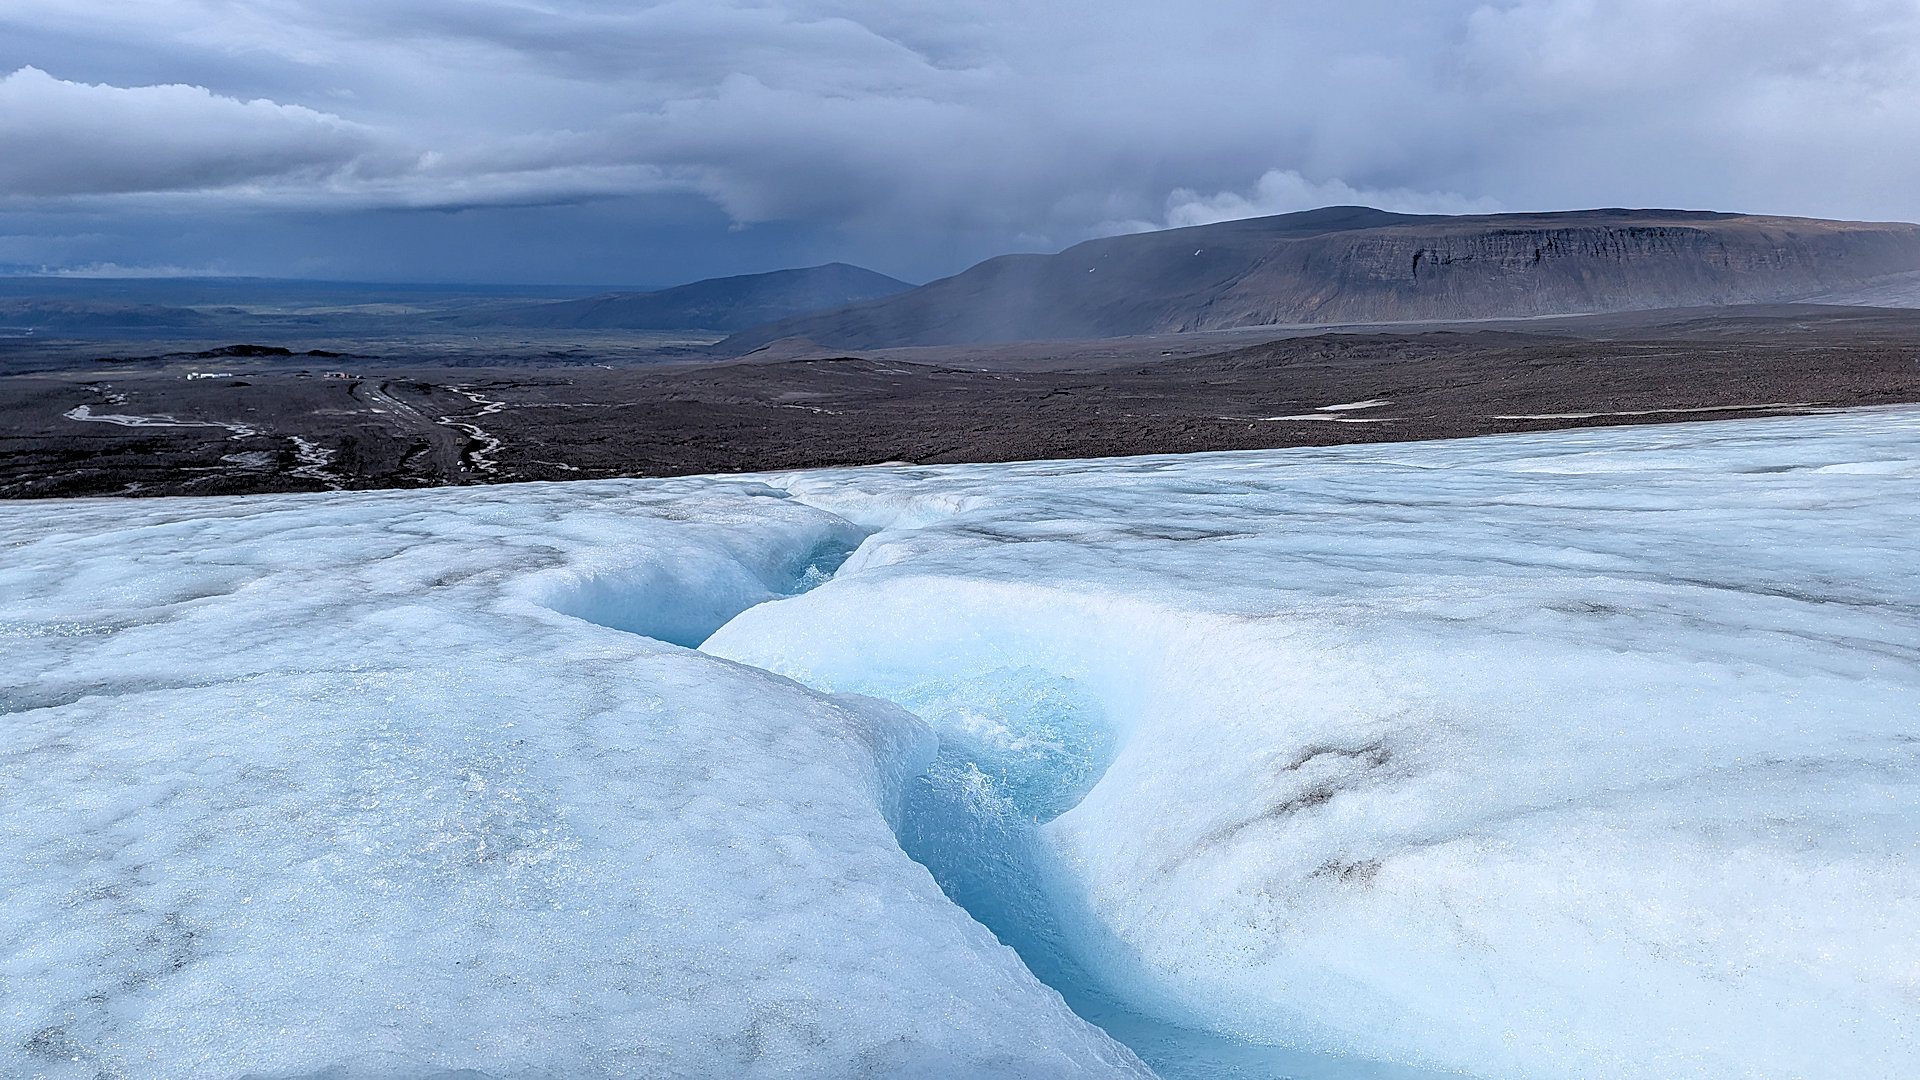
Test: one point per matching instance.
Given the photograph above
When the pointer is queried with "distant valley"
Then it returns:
(730, 303)
(210, 308)
(1337, 325)
(1336, 266)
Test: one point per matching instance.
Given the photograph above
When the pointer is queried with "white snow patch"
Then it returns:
(84, 414)
(1768, 407)
(1330, 418)
(314, 461)
(480, 455)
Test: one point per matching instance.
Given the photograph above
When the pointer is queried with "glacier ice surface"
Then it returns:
(1589, 754)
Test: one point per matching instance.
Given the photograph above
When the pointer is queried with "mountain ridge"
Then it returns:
(1345, 265)
(724, 304)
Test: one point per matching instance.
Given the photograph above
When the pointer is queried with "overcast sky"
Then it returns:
(593, 141)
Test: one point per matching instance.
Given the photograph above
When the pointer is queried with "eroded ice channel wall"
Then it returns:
(1561, 756)
(1584, 755)
(323, 786)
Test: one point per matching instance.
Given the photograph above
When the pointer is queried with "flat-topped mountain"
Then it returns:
(729, 303)
(1350, 264)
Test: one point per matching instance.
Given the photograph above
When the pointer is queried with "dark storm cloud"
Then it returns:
(918, 135)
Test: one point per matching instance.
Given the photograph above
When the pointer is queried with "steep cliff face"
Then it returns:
(1355, 265)
(1407, 273)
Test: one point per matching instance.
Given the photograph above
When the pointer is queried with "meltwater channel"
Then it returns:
(1018, 747)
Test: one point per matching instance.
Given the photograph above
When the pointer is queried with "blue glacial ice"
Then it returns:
(1593, 754)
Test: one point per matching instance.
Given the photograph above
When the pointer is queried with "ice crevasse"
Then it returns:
(1578, 755)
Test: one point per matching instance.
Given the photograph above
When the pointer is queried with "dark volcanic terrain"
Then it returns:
(276, 420)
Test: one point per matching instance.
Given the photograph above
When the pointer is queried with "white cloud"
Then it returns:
(1283, 191)
(102, 270)
(60, 138)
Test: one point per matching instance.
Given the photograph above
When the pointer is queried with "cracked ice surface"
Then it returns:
(306, 785)
(1579, 755)
(1576, 755)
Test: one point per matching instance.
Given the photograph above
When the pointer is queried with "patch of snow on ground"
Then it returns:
(84, 414)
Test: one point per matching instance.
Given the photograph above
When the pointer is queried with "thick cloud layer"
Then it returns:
(917, 137)
(71, 138)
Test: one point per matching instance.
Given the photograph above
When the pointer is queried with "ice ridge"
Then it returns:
(1575, 755)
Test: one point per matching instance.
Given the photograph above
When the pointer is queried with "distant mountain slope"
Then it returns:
(1358, 265)
(61, 315)
(729, 303)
